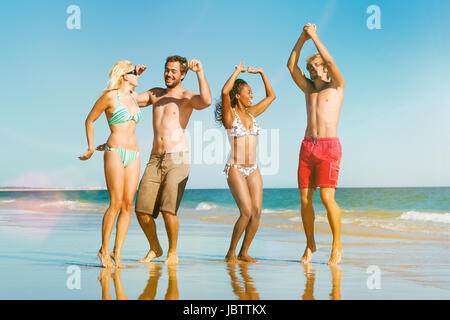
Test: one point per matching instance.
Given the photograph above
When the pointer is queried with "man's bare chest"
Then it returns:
(170, 107)
(327, 98)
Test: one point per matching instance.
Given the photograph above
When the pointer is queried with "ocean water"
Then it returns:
(417, 210)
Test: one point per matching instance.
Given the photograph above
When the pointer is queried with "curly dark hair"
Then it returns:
(234, 91)
(181, 60)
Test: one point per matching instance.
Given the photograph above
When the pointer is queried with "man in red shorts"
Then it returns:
(320, 153)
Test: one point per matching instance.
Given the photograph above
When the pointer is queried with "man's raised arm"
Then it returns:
(333, 70)
(143, 99)
(297, 74)
(202, 100)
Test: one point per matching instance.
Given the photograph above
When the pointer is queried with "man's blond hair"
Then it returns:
(322, 62)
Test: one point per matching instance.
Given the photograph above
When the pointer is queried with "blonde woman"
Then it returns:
(121, 158)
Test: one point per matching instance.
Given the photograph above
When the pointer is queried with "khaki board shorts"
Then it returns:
(162, 185)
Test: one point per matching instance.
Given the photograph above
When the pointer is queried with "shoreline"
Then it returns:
(346, 230)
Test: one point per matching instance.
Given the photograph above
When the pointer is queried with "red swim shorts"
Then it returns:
(319, 163)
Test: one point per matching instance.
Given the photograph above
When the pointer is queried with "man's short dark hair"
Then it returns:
(181, 60)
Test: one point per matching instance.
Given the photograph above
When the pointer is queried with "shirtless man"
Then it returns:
(165, 177)
(320, 153)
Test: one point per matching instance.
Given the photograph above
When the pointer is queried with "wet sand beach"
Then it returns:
(50, 254)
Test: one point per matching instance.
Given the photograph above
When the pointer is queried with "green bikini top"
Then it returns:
(121, 113)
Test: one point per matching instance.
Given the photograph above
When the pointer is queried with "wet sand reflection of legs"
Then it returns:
(104, 278)
(150, 290)
(336, 275)
(308, 294)
(246, 292)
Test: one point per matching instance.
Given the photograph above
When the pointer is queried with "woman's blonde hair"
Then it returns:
(115, 75)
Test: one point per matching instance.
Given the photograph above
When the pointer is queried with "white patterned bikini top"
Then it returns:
(238, 129)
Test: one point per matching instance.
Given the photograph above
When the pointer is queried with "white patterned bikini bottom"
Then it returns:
(246, 171)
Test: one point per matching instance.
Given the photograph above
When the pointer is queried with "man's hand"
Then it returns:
(140, 68)
(304, 34)
(310, 30)
(254, 70)
(194, 65)
(241, 67)
(101, 147)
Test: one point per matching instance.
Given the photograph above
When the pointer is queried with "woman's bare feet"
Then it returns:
(116, 258)
(336, 254)
(231, 257)
(105, 259)
(307, 255)
(246, 258)
(172, 258)
(152, 254)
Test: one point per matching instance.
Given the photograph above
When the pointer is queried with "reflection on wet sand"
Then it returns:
(105, 275)
(172, 292)
(336, 275)
(247, 291)
(309, 286)
(154, 269)
(149, 293)
(243, 286)
(152, 283)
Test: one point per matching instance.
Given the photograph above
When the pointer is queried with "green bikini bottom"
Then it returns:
(126, 155)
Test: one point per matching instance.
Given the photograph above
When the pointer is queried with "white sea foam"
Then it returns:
(426, 216)
(279, 211)
(206, 206)
(268, 211)
(74, 205)
(61, 203)
(8, 201)
(411, 221)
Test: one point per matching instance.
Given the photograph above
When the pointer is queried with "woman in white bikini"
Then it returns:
(237, 115)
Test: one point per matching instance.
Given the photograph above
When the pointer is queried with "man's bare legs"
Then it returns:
(131, 180)
(307, 212)
(171, 223)
(334, 218)
(148, 225)
(241, 194)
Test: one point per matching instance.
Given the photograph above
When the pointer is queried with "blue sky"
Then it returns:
(394, 122)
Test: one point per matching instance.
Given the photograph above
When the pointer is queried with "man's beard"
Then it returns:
(173, 85)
